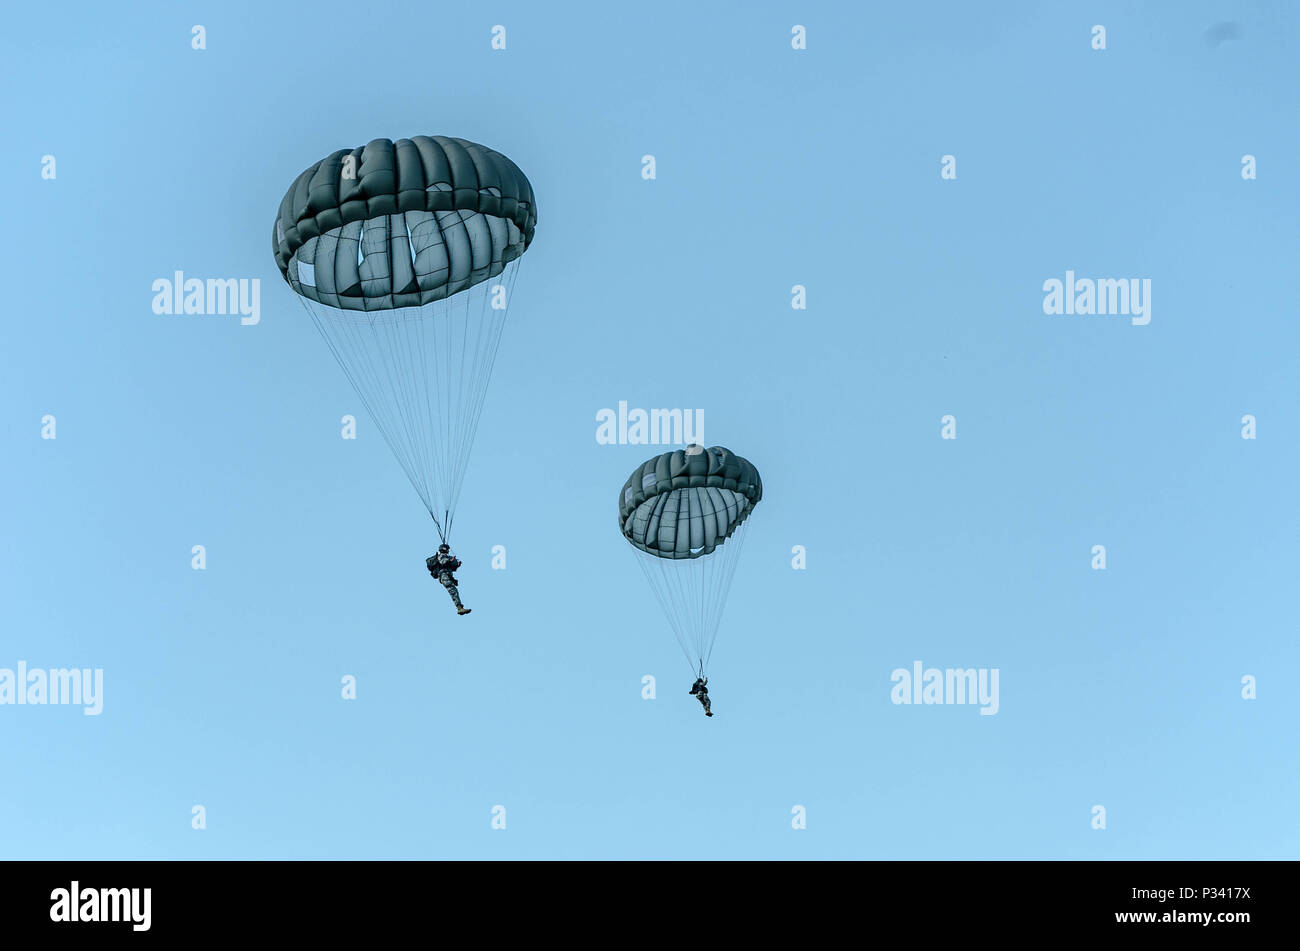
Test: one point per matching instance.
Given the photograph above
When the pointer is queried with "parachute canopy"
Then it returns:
(390, 247)
(684, 504)
(684, 512)
(396, 224)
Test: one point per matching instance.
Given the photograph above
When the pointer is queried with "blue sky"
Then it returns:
(775, 167)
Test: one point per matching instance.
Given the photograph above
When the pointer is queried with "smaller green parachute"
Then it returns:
(684, 512)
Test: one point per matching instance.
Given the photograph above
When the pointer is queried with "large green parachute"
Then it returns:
(392, 249)
(684, 512)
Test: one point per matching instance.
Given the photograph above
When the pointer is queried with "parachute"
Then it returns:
(392, 249)
(684, 513)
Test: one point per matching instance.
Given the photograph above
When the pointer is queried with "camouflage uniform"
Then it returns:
(441, 567)
(700, 690)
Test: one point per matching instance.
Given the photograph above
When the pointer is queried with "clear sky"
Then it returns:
(775, 167)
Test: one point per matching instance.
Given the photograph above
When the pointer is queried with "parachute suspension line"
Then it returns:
(450, 382)
(461, 372)
(384, 366)
(422, 374)
(324, 323)
(491, 348)
(370, 368)
(693, 592)
(657, 576)
(721, 587)
(481, 360)
(396, 351)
